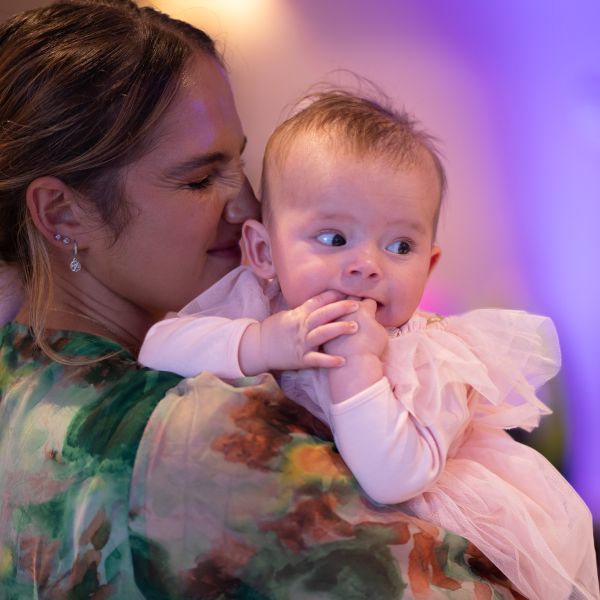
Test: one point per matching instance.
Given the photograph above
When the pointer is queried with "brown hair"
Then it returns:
(82, 85)
(361, 125)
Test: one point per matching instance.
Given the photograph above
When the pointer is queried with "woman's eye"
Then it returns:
(399, 247)
(201, 184)
(331, 238)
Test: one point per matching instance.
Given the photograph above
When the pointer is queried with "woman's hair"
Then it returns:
(359, 125)
(82, 85)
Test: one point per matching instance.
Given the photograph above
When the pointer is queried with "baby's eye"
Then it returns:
(331, 238)
(399, 247)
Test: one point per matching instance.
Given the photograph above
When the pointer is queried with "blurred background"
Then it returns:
(512, 91)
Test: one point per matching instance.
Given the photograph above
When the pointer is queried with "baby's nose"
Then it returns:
(364, 267)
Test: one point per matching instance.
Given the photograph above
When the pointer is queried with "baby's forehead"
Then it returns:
(322, 172)
(288, 151)
(331, 159)
(317, 176)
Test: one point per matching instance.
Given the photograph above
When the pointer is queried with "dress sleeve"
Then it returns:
(239, 492)
(205, 335)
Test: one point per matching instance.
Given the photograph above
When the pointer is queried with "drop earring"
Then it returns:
(75, 265)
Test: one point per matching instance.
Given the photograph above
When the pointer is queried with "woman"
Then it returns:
(121, 198)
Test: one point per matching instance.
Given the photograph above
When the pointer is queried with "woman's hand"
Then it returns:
(291, 339)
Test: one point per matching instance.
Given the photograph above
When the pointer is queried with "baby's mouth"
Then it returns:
(379, 304)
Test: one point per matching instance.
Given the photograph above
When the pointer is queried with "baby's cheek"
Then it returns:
(299, 290)
(295, 294)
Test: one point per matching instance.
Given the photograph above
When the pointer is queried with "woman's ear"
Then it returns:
(53, 208)
(257, 248)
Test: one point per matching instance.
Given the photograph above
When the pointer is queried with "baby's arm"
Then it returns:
(392, 454)
(362, 352)
(190, 344)
(232, 348)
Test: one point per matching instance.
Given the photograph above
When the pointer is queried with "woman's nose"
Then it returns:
(244, 206)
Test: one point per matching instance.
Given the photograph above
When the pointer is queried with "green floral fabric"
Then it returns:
(122, 482)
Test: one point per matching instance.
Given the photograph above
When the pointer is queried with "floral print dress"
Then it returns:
(123, 482)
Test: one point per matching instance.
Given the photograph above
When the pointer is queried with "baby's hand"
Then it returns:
(291, 339)
(362, 352)
(370, 337)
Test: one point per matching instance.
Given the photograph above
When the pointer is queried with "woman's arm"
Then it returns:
(238, 491)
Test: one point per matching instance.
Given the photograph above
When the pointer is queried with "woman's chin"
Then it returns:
(227, 253)
(220, 263)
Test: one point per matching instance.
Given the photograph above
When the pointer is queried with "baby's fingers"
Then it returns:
(331, 312)
(370, 306)
(323, 299)
(325, 333)
(319, 360)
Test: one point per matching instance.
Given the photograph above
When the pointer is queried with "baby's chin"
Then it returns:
(389, 318)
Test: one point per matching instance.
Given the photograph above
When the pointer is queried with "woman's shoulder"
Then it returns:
(69, 434)
(100, 387)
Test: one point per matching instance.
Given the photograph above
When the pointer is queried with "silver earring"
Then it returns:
(59, 238)
(74, 265)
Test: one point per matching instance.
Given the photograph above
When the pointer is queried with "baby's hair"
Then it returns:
(359, 125)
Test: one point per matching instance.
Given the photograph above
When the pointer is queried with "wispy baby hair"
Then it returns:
(358, 124)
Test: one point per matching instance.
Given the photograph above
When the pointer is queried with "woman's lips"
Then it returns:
(230, 249)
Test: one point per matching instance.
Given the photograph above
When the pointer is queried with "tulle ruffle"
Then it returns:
(501, 355)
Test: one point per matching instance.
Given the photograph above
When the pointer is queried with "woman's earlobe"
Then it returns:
(257, 248)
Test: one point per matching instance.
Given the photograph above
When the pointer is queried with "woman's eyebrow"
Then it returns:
(197, 162)
(204, 160)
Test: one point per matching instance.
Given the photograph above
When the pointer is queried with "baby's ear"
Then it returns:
(436, 253)
(257, 248)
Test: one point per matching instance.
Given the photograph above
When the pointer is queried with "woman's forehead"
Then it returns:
(202, 118)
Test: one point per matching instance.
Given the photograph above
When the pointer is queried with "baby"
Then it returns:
(418, 405)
